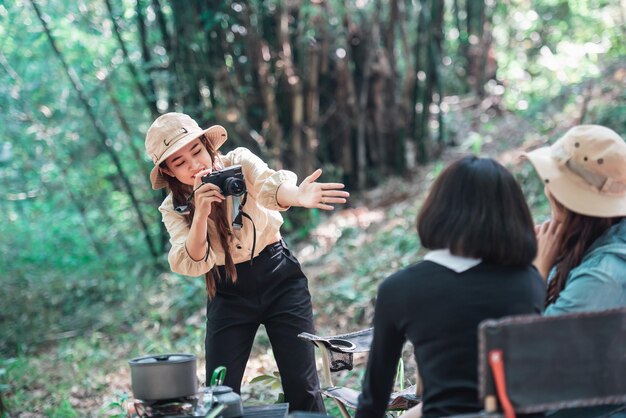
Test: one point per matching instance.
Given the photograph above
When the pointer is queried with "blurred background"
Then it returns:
(378, 93)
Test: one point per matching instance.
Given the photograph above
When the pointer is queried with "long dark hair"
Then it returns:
(180, 193)
(579, 233)
(477, 209)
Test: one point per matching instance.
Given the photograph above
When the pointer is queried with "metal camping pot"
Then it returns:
(165, 376)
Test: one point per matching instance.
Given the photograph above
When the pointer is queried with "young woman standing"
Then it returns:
(252, 278)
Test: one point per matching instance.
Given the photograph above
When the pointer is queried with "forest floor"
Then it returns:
(346, 256)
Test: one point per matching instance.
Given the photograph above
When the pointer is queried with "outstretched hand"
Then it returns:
(320, 195)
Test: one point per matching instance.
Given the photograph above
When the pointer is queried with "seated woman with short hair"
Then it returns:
(478, 227)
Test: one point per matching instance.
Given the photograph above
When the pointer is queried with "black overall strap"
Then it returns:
(208, 245)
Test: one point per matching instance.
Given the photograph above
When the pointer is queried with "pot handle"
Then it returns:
(219, 374)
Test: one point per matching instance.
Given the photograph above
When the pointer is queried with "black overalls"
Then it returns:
(272, 291)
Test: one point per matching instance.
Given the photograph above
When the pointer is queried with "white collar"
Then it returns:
(453, 262)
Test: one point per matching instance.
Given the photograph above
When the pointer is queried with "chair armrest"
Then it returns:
(353, 342)
(337, 350)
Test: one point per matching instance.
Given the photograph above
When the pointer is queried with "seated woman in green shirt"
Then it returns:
(582, 248)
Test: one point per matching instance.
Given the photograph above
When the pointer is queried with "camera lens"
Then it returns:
(234, 186)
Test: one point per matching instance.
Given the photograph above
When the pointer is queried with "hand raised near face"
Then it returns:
(549, 236)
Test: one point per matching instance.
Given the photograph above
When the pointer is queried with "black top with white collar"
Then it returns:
(438, 311)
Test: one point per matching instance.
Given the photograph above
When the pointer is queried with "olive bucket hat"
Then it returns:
(585, 170)
(171, 132)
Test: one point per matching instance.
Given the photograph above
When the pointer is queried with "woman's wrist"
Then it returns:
(287, 194)
(196, 243)
(543, 270)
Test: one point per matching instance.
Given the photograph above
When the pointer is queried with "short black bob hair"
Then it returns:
(476, 209)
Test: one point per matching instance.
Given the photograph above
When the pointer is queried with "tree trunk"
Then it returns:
(150, 102)
(344, 96)
(363, 94)
(417, 108)
(99, 129)
(294, 86)
(119, 112)
(312, 108)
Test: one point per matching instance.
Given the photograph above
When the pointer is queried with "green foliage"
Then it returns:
(82, 291)
(385, 252)
(72, 253)
(266, 388)
(299, 222)
(544, 46)
(399, 381)
(116, 408)
(273, 382)
(611, 115)
(65, 410)
(532, 186)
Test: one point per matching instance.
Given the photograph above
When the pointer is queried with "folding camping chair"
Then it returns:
(337, 354)
(532, 364)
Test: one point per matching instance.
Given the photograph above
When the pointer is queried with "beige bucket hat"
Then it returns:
(171, 132)
(585, 170)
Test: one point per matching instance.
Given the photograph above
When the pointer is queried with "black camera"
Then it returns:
(229, 180)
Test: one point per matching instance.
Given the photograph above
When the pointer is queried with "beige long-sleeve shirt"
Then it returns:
(262, 183)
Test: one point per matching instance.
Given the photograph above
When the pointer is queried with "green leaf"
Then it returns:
(261, 378)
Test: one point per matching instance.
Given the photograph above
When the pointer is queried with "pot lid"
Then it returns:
(164, 359)
(219, 390)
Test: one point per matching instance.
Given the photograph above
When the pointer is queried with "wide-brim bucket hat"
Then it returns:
(585, 170)
(172, 131)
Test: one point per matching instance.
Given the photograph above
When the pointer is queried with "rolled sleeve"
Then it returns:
(262, 181)
(268, 196)
(179, 259)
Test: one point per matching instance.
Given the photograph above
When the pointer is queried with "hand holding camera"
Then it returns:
(214, 186)
(230, 180)
(217, 185)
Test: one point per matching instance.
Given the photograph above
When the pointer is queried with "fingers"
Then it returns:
(552, 228)
(313, 176)
(335, 193)
(330, 186)
(324, 206)
(198, 177)
(333, 200)
(211, 195)
(549, 228)
(332, 197)
(210, 192)
(558, 230)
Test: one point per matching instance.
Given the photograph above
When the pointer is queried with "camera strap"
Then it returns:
(238, 221)
(239, 213)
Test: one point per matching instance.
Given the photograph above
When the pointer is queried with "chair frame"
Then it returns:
(325, 347)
